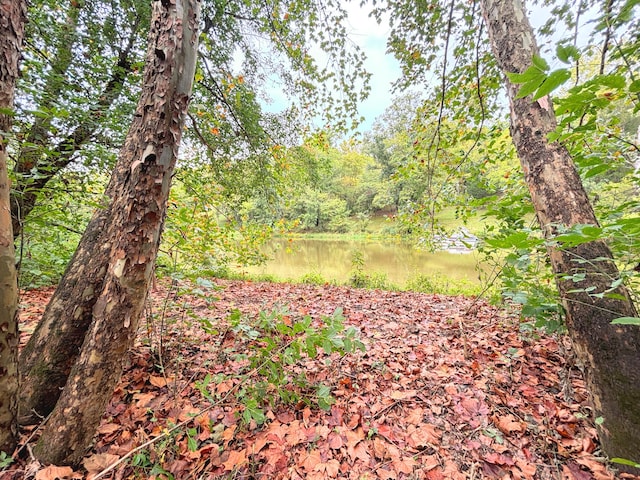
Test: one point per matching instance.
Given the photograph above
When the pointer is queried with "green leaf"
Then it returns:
(626, 321)
(528, 88)
(553, 81)
(612, 81)
(567, 53)
(515, 240)
(192, 444)
(624, 461)
(530, 74)
(596, 170)
(540, 62)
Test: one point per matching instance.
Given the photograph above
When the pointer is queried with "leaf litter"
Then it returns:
(448, 388)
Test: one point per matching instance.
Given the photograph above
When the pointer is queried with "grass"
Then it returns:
(433, 284)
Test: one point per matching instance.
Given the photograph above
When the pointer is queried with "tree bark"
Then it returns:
(137, 214)
(12, 20)
(608, 353)
(46, 360)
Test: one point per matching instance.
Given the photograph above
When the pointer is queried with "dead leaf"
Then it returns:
(158, 381)
(330, 468)
(235, 460)
(98, 462)
(312, 459)
(424, 435)
(335, 441)
(53, 472)
(405, 465)
(108, 428)
(508, 424)
(402, 395)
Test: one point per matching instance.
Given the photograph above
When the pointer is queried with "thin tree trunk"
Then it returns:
(12, 20)
(138, 211)
(609, 353)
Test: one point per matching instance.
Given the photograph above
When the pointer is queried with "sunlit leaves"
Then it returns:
(536, 81)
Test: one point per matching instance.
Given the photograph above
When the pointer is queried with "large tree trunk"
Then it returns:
(48, 357)
(609, 353)
(138, 210)
(53, 348)
(12, 20)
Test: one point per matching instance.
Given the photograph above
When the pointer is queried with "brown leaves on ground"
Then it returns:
(447, 389)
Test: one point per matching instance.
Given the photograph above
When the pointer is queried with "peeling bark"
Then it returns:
(12, 20)
(137, 211)
(608, 353)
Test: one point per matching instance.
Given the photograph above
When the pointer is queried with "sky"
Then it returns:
(385, 69)
(372, 38)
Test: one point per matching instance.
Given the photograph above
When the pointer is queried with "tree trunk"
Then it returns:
(608, 353)
(46, 360)
(12, 20)
(137, 214)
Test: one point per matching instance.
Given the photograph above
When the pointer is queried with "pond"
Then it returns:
(333, 260)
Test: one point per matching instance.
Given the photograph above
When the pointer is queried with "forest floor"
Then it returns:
(448, 388)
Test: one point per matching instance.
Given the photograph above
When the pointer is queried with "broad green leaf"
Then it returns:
(612, 81)
(626, 321)
(634, 87)
(553, 81)
(530, 87)
(540, 62)
(596, 170)
(517, 240)
(530, 74)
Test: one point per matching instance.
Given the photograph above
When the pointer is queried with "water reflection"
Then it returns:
(332, 259)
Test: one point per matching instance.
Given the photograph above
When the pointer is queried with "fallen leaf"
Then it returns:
(108, 428)
(405, 465)
(311, 460)
(335, 441)
(424, 435)
(98, 462)
(330, 468)
(158, 381)
(402, 395)
(235, 459)
(508, 424)
(53, 472)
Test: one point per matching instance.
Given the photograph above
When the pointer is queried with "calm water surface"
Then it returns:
(332, 259)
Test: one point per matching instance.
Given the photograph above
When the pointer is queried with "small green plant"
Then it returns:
(5, 460)
(313, 278)
(360, 279)
(277, 340)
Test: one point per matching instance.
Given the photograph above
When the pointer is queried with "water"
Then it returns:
(332, 259)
